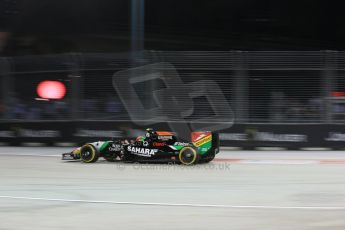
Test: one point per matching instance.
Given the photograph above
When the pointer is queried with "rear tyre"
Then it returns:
(210, 157)
(188, 156)
(89, 154)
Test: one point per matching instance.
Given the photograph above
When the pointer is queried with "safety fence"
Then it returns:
(280, 87)
(253, 98)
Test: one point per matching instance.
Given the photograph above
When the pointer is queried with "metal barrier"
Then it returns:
(247, 136)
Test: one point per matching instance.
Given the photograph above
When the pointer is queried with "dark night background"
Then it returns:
(53, 26)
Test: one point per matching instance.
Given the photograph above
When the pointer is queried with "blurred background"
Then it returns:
(279, 64)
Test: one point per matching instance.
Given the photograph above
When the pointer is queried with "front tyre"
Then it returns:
(89, 154)
(188, 156)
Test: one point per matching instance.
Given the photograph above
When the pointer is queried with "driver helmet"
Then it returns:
(149, 133)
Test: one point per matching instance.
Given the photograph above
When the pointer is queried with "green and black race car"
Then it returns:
(156, 146)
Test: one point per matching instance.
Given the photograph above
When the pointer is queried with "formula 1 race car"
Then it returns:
(156, 146)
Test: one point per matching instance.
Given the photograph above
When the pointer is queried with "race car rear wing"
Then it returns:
(206, 141)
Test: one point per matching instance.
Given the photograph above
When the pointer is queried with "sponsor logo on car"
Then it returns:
(181, 143)
(142, 151)
(165, 138)
(115, 148)
(200, 137)
(159, 144)
(203, 140)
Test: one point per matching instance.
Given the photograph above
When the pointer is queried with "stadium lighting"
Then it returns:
(51, 90)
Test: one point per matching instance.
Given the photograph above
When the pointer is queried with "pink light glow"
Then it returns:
(51, 90)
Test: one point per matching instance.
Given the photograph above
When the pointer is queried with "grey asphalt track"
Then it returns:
(39, 191)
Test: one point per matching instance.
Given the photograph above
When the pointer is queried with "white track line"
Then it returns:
(177, 204)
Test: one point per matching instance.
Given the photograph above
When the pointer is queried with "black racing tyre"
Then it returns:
(188, 155)
(89, 154)
(210, 157)
(111, 157)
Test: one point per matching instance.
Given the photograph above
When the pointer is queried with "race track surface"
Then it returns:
(240, 190)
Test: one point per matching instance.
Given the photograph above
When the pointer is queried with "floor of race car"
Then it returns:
(240, 190)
